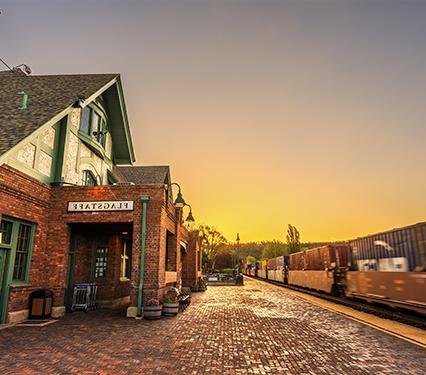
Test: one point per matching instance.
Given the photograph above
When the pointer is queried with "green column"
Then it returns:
(144, 200)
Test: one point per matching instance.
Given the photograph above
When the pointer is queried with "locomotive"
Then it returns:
(387, 268)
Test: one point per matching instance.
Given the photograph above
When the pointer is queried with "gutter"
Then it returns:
(144, 200)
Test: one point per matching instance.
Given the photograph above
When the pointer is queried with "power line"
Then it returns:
(6, 64)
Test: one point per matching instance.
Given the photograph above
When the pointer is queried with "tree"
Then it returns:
(274, 249)
(251, 260)
(293, 239)
(211, 241)
(224, 258)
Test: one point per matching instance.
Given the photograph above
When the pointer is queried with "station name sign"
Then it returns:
(100, 206)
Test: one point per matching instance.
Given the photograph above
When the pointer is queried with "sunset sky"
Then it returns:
(268, 112)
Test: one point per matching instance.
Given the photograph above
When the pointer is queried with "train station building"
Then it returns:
(74, 209)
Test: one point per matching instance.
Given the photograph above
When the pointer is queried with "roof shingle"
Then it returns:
(47, 96)
(144, 175)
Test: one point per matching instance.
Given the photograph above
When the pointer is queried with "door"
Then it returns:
(3, 256)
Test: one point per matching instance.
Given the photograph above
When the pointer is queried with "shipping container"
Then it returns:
(397, 250)
(321, 258)
(272, 264)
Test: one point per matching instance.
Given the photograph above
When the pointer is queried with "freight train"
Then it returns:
(387, 268)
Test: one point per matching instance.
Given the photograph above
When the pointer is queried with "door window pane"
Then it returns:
(101, 258)
(5, 232)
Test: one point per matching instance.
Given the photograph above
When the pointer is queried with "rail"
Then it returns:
(409, 318)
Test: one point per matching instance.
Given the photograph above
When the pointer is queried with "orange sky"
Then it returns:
(269, 112)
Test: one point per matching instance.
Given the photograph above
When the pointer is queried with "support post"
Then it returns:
(144, 200)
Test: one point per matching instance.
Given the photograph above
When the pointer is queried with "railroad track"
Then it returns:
(411, 319)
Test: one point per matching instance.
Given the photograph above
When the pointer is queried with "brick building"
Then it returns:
(73, 208)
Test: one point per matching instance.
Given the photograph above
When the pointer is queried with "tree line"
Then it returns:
(219, 253)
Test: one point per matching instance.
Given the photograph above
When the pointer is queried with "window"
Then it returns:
(126, 259)
(85, 120)
(101, 259)
(22, 251)
(93, 124)
(87, 179)
(17, 237)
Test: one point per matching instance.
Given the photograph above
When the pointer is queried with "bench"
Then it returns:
(184, 300)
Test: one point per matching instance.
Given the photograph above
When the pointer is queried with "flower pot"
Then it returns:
(170, 309)
(152, 312)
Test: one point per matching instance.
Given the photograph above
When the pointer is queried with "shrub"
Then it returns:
(167, 299)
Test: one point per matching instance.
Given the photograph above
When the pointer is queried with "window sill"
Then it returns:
(96, 147)
(18, 284)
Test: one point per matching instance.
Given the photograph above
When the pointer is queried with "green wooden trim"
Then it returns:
(29, 255)
(61, 132)
(144, 200)
(126, 121)
(70, 271)
(5, 287)
(92, 97)
(92, 144)
(10, 263)
(14, 242)
(30, 171)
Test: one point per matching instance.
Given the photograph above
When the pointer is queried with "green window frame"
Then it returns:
(93, 123)
(17, 236)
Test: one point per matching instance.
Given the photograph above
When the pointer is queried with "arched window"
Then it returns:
(88, 179)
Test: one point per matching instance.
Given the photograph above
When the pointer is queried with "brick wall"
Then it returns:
(191, 262)
(25, 198)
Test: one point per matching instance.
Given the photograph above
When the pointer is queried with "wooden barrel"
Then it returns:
(170, 309)
(152, 312)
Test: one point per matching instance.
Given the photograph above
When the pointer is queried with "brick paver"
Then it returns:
(255, 329)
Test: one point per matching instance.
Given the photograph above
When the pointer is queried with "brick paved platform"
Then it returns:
(255, 329)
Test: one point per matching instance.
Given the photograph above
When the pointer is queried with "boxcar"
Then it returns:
(322, 268)
(390, 267)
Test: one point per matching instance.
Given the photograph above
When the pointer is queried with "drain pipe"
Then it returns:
(144, 200)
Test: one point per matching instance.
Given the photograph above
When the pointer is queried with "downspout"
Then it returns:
(144, 200)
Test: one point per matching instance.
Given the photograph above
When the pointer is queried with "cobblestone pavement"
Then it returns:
(255, 329)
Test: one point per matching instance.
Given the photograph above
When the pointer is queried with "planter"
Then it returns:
(152, 312)
(170, 309)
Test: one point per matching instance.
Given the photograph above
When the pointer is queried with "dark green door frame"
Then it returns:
(70, 271)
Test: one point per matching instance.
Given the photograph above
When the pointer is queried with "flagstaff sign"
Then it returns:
(100, 206)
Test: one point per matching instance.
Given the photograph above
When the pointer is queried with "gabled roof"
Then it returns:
(48, 96)
(144, 175)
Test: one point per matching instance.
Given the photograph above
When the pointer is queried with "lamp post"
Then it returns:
(237, 250)
(179, 201)
(189, 217)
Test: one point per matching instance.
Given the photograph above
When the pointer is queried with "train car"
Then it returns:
(263, 270)
(276, 269)
(389, 267)
(322, 268)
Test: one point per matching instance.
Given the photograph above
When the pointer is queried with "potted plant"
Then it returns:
(153, 309)
(202, 285)
(170, 305)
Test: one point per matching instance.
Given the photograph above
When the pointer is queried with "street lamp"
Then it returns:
(179, 201)
(237, 251)
(189, 217)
